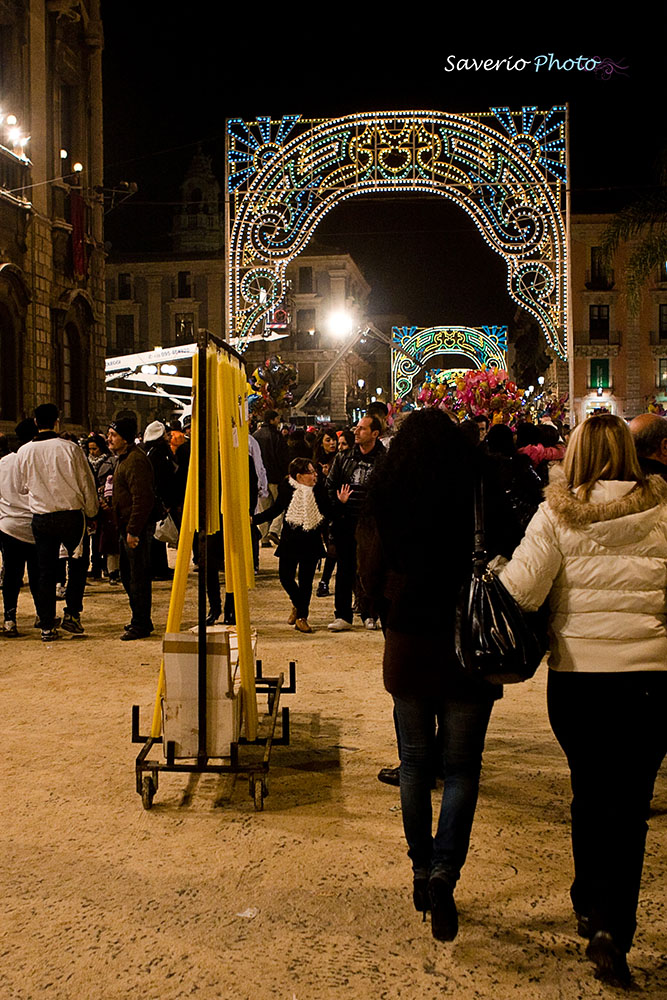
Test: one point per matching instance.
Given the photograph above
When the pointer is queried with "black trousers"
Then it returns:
(611, 727)
(62, 527)
(16, 555)
(135, 575)
(296, 571)
(345, 540)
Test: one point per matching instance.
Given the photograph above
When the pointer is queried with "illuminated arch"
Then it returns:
(483, 345)
(505, 169)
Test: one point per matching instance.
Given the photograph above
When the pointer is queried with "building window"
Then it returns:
(662, 322)
(599, 322)
(184, 285)
(305, 280)
(662, 373)
(662, 277)
(307, 338)
(125, 334)
(184, 328)
(124, 286)
(599, 373)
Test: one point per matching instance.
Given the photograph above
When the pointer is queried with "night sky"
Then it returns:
(170, 83)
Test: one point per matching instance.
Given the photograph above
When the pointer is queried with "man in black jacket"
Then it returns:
(133, 506)
(347, 484)
(275, 456)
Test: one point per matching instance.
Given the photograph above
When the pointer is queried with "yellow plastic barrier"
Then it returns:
(226, 493)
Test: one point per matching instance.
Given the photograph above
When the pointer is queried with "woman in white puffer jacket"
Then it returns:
(597, 548)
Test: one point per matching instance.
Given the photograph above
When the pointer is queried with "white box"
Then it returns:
(180, 704)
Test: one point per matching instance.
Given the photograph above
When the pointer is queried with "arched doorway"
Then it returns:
(505, 169)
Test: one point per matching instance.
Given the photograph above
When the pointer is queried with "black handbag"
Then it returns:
(495, 640)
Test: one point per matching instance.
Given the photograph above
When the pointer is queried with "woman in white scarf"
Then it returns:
(301, 546)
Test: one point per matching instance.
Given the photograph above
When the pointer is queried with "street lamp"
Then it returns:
(340, 323)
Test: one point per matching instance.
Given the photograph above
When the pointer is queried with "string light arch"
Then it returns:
(506, 169)
(481, 345)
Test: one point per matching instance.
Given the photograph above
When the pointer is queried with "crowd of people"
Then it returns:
(578, 521)
(70, 509)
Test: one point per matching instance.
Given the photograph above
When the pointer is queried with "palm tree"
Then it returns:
(644, 220)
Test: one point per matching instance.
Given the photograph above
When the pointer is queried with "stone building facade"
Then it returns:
(52, 331)
(620, 359)
(161, 300)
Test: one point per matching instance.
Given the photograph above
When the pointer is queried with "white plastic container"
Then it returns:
(180, 704)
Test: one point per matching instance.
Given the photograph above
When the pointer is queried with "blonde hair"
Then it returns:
(600, 448)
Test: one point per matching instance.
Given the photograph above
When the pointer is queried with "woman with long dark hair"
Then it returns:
(598, 548)
(421, 503)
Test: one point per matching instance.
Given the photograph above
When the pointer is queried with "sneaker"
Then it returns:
(50, 634)
(114, 578)
(72, 623)
(9, 629)
(339, 625)
(322, 590)
(60, 592)
(301, 625)
(371, 625)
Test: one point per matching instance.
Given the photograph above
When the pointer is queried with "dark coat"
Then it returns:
(275, 454)
(417, 597)
(353, 468)
(133, 494)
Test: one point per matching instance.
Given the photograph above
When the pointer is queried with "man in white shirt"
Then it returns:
(58, 481)
(16, 538)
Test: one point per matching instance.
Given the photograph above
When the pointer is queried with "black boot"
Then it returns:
(444, 915)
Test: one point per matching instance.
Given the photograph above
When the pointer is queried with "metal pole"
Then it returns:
(202, 756)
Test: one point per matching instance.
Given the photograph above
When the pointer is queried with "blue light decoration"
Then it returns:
(506, 169)
(483, 345)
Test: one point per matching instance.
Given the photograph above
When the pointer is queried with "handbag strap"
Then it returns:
(479, 545)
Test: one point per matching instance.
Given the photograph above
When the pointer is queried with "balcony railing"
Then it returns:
(599, 281)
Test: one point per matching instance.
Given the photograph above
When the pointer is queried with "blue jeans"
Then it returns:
(463, 727)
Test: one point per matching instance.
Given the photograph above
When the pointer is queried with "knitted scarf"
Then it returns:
(303, 511)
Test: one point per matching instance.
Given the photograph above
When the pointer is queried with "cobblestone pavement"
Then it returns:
(203, 897)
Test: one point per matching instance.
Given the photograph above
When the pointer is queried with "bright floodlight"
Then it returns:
(340, 323)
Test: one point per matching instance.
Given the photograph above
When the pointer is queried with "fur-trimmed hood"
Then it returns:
(615, 513)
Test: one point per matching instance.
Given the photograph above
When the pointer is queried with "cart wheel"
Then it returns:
(147, 792)
(259, 796)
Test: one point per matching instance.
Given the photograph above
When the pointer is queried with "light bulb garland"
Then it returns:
(484, 345)
(505, 169)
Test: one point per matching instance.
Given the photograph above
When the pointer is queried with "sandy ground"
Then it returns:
(203, 897)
